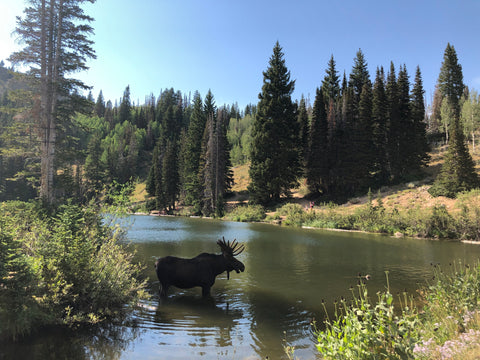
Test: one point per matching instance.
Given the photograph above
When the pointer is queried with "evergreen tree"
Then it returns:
(303, 124)
(393, 124)
(124, 113)
(100, 105)
(191, 153)
(417, 112)
(406, 147)
(358, 77)
(316, 171)
(379, 129)
(458, 170)
(275, 164)
(55, 34)
(330, 83)
(362, 145)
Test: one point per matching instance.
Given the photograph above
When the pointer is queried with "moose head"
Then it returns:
(229, 251)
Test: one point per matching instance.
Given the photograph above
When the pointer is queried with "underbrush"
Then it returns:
(436, 222)
(447, 327)
(62, 267)
(246, 213)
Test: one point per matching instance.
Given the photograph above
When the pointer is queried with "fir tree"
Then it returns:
(124, 113)
(458, 170)
(393, 124)
(379, 128)
(100, 105)
(330, 83)
(192, 152)
(417, 111)
(275, 165)
(405, 146)
(303, 124)
(55, 34)
(316, 171)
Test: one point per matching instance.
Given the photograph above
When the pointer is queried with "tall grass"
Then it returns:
(436, 222)
(446, 327)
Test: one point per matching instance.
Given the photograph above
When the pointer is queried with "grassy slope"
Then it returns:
(403, 196)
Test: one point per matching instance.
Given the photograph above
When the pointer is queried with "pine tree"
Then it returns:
(458, 170)
(55, 34)
(275, 164)
(330, 83)
(124, 113)
(379, 129)
(362, 145)
(100, 105)
(303, 124)
(406, 147)
(417, 111)
(192, 152)
(316, 171)
(358, 77)
(393, 124)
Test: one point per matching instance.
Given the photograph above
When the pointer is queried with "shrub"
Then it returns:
(365, 330)
(249, 213)
(70, 264)
(295, 215)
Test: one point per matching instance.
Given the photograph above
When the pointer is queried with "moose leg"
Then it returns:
(206, 290)
(163, 290)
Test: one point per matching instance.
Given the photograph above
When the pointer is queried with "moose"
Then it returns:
(200, 270)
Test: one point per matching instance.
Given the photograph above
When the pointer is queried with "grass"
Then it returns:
(446, 327)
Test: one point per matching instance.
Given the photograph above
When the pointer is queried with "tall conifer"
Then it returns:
(458, 170)
(316, 170)
(275, 164)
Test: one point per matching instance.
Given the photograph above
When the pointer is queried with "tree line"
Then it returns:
(359, 134)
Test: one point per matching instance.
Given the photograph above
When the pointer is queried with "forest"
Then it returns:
(359, 134)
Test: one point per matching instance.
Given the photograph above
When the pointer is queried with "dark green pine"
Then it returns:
(379, 129)
(316, 170)
(331, 82)
(303, 124)
(458, 170)
(417, 111)
(275, 164)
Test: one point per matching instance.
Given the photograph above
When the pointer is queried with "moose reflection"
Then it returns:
(200, 270)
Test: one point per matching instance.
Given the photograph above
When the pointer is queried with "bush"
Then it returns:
(365, 330)
(295, 215)
(249, 213)
(68, 268)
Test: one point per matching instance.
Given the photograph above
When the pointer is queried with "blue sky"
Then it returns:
(225, 45)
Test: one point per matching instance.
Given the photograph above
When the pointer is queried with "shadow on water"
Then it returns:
(107, 341)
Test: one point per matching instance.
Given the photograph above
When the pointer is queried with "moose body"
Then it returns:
(198, 271)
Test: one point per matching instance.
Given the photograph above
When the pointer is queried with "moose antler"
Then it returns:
(231, 248)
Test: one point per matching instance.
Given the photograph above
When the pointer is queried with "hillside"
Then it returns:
(403, 197)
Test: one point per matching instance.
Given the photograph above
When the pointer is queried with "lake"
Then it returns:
(288, 272)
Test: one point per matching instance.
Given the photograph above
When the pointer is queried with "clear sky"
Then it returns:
(224, 45)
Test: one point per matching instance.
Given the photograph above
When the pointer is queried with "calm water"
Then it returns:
(252, 315)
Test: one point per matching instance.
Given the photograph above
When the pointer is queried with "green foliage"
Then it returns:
(451, 309)
(239, 137)
(249, 213)
(66, 267)
(364, 329)
(295, 214)
(273, 172)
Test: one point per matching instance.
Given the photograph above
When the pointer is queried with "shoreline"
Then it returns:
(397, 235)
